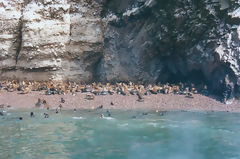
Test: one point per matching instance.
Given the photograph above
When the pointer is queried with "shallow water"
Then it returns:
(127, 134)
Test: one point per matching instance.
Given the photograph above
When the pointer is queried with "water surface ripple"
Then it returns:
(126, 134)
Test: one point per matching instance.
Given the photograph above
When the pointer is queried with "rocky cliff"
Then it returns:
(120, 40)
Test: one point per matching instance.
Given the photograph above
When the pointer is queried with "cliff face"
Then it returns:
(57, 39)
(120, 40)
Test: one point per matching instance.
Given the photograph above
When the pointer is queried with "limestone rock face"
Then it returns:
(119, 40)
(44, 40)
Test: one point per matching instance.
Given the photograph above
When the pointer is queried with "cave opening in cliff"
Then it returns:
(196, 77)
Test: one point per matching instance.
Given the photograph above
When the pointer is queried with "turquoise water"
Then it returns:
(83, 135)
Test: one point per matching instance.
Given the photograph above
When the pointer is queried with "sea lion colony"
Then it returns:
(94, 89)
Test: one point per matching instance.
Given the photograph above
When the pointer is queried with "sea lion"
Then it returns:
(39, 103)
(46, 115)
(101, 116)
(108, 113)
(60, 107)
(147, 93)
(140, 97)
(110, 92)
(112, 103)
(62, 100)
(32, 115)
(26, 90)
(45, 105)
(48, 92)
(189, 95)
(132, 92)
(2, 106)
(100, 107)
(20, 88)
(90, 97)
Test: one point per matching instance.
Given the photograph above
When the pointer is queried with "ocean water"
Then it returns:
(126, 134)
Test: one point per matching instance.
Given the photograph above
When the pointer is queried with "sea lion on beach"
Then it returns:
(147, 93)
(62, 100)
(20, 88)
(140, 97)
(189, 95)
(90, 97)
(1, 105)
(39, 103)
(26, 90)
(48, 92)
(100, 107)
(154, 90)
(112, 103)
(132, 92)
(46, 105)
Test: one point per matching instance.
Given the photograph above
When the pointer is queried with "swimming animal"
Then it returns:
(32, 115)
(46, 115)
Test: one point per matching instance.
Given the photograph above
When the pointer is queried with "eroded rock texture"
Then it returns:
(120, 40)
(47, 39)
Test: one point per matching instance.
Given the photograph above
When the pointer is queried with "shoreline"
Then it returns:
(160, 102)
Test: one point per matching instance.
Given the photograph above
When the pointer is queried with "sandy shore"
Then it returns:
(152, 102)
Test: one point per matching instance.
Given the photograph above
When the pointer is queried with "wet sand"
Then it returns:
(129, 102)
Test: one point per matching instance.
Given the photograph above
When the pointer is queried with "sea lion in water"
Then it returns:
(100, 107)
(59, 108)
(101, 116)
(32, 115)
(46, 115)
(108, 113)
